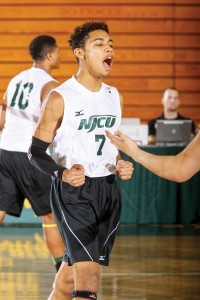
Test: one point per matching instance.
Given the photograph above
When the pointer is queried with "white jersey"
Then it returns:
(81, 137)
(23, 109)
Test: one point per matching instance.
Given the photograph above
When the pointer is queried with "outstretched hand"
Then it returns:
(123, 143)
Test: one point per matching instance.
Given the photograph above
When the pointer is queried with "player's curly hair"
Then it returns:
(81, 33)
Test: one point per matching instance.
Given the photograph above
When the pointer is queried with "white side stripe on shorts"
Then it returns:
(111, 233)
(74, 234)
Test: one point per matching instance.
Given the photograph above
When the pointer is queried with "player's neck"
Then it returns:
(91, 83)
(42, 66)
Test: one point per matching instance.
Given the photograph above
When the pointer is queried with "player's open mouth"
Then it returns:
(108, 63)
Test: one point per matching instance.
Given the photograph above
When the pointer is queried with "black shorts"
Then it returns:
(87, 217)
(20, 180)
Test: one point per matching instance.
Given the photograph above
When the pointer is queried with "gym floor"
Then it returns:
(147, 263)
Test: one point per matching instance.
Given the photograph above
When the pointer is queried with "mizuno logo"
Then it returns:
(98, 121)
(102, 257)
(79, 113)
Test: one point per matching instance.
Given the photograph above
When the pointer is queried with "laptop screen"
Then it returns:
(173, 132)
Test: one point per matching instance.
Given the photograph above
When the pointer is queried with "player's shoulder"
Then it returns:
(19, 75)
(17, 79)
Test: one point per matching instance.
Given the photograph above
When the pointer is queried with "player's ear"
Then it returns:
(79, 53)
(48, 55)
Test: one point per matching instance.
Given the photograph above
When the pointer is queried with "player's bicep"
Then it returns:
(51, 116)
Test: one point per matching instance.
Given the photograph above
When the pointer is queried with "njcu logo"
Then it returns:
(98, 121)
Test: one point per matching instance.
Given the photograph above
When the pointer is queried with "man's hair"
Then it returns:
(40, 46)
(81, 33)
(170, 88)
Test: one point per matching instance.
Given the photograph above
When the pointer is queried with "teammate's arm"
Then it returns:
(3, 113)
(178, 168)
(121, 102)
(47, 88)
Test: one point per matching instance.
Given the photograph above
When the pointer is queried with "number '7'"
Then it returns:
(101, 138)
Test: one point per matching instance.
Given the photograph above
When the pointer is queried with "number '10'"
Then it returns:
(18, 98)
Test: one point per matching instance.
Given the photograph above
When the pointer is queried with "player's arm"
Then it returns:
(50, 120)
(3, 113)
(189, 160)
(51, 116)
(176, 168)
(47, 88)
(121, 102)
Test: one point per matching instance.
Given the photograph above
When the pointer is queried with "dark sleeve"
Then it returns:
(41, 160)
(151, 127)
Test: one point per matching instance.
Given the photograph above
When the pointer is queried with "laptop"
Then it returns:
(173, 132)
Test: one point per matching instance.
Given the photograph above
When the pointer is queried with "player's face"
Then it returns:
(171, 100)
(99, 53)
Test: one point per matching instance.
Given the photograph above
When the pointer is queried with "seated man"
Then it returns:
(171, 103)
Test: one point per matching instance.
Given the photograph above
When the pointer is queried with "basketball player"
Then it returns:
(20, 113)
(85, 197)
